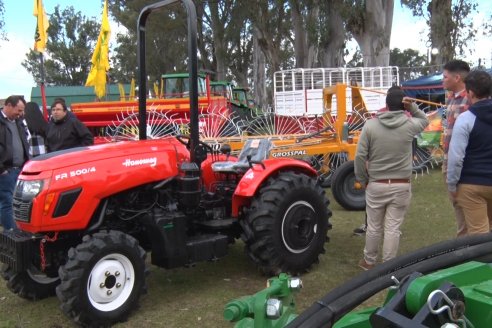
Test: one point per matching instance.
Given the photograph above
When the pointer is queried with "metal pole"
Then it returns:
(192, 70)
(42, 86)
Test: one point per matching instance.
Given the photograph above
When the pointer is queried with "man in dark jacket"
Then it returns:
(14, 152)
(469, 174)
(65, 130)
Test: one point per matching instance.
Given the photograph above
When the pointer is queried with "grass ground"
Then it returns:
(195, 297)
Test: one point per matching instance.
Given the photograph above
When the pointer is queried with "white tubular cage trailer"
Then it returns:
(299, 92)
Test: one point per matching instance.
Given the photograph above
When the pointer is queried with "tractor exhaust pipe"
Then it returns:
(192, 71)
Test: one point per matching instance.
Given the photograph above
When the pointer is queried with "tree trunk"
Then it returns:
(239, 42)
(259, 75)
(332, 40)
(374, 35)
(312, 41)
(267, 28)
(300, 32)
(305, 41)
(441, 30)
(218, 25)
(201, 45)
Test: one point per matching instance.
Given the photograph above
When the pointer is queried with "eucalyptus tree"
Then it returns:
(370, 24)
(332, 34)
(71, 40)
(165, 44)
(450, 24)
(304, 15)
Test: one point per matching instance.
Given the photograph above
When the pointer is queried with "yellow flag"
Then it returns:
(132, 89)
(162, 88)
(122, 91)
(100, 57)
(156, 89)
(40, 36)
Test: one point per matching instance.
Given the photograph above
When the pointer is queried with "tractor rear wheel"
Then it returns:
(103, 279)
(344, 189)
(286, 226)
(30, 284)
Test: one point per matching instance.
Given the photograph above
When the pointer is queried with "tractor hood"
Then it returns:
(81, 155)
(90, 174)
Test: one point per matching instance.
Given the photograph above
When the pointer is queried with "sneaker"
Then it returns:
(365, 266)
(360, 231)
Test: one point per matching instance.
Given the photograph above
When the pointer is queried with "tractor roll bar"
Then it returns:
(192, 70)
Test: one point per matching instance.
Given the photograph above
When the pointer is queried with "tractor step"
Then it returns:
(206, 247)
(217, 224)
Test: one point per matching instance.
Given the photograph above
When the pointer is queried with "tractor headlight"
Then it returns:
(273, 308)
(28, 189)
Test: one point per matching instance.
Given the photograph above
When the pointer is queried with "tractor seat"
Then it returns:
(258, 149)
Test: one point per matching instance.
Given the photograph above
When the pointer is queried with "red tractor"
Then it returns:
(88, 216)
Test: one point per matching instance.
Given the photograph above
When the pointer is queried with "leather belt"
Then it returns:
(389, 181)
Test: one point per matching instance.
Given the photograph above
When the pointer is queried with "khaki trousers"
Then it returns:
(386, 206)
(459, 215)
(476, 202)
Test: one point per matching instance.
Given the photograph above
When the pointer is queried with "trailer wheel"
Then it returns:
(103, 279)
(286, 226)
(344, 188)
(326, 164)
(30, 284)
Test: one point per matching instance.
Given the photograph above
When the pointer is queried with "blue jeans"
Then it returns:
(7, 186)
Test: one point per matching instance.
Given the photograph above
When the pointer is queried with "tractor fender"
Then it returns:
(258, 174)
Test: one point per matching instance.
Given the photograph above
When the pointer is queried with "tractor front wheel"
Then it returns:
(103, 279)
(31, 284)
(286, 226)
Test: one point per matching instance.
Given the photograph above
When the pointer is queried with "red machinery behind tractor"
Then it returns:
(88, 216)
(114, 120)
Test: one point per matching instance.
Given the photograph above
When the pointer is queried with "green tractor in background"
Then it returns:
(241, 98)
(242, 105)
(221, 88)
(176, 85)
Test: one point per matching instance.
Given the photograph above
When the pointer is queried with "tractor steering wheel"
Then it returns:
(185, 140)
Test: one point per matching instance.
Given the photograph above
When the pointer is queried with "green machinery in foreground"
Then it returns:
(447, 285)
(273, 307)
(460, 296)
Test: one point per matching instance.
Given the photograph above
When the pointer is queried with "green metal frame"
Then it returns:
(250, 311)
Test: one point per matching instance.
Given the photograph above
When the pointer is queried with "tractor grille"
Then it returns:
(16, 249)
(22, 209)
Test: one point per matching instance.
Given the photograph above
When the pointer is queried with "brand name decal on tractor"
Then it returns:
(289, 153)
(129, 162)
(249, 176)
(75, 173)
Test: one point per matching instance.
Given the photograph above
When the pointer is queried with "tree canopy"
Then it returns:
(3, 36)
(71, 39)
(450, 24)
(246, 41)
